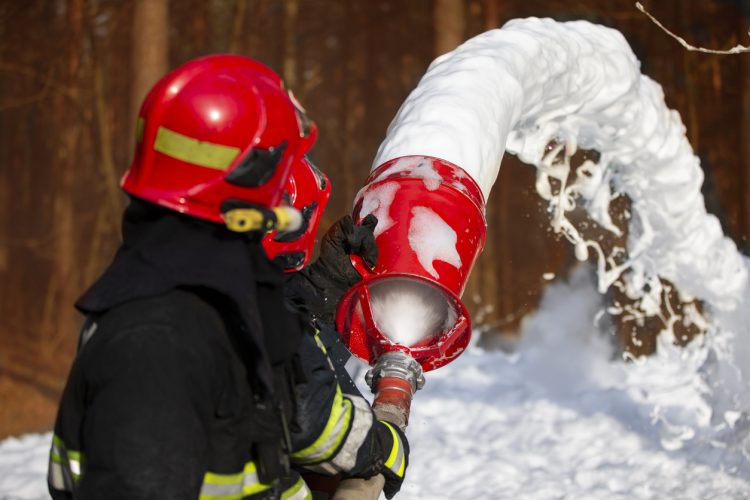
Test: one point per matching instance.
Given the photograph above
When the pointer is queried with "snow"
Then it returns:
(579, 84)
(23, 466)
(432, 239)
(558, 418)
(561, 418)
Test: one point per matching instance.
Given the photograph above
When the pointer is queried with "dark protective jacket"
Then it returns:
(193, 380)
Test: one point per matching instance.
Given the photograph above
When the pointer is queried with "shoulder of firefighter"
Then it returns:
(158, 404)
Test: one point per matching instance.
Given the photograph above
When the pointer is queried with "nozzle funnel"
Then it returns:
(431, 228)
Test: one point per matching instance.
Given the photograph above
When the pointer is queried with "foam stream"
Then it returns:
(535, 81)
(408, 311)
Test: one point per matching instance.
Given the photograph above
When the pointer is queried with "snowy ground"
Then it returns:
(560, 419)
(556, 419)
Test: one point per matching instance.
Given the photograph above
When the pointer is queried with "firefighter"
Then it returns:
(195, 377)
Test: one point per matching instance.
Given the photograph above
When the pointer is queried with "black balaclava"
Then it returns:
(163, 250)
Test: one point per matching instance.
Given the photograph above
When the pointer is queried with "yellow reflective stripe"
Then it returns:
(299, 491)
(70, 459)
(395, 452)
(232, 486)
(320, 342)
(322, 347)
(328, 442)
(57, 441)
(360, 426)
(204, 154)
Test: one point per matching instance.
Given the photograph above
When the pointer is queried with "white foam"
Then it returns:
(415, 166)
(377, 201)
(537, 80)
(431, 239)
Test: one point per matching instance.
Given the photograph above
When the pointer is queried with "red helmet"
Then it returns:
(307, 190)
(217, 134)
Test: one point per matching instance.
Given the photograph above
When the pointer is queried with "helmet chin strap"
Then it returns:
(248, 219)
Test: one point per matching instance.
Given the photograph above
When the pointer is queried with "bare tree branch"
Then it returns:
(737, 49)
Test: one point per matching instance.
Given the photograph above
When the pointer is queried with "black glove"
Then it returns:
(346, 238)
(320, 286)
(395, 449)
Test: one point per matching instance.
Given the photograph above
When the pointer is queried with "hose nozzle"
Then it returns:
(394, 379)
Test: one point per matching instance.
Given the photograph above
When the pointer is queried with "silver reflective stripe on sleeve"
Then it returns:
(56, 478)
(346, 457)
(232, 486)
(333, 434)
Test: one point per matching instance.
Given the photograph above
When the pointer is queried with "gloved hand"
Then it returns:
(395, 449)
(320, 286)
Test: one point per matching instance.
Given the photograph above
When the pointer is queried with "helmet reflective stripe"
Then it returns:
(232, 486)
(333, 433)
(190, 150)
(395, 460)
(299, 491)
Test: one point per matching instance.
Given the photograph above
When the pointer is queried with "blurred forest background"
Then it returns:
(73, 73)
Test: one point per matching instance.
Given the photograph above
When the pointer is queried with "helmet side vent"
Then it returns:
(257, 167)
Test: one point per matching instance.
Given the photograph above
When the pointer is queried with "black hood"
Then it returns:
(163, 250)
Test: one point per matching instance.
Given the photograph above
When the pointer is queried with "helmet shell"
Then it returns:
(307, 190)
(216, 128)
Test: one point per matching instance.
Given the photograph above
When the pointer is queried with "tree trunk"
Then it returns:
(450, 25)
(744, 85)
(291, 10)
(150, 55)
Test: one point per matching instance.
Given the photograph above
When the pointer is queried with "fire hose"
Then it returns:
(394, 379)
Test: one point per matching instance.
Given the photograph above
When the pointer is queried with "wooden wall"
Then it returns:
(66, 115)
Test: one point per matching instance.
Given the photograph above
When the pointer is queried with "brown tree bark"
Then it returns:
(744, 143)
(58, 315)
(449, 17)
(291, 10)
(238, 25)
(150, 53)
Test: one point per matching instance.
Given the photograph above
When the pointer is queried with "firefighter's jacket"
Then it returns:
(168, 398)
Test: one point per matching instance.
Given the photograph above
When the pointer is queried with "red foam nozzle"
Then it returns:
(431, 229)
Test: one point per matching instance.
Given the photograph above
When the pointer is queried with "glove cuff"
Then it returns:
(396, 457)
